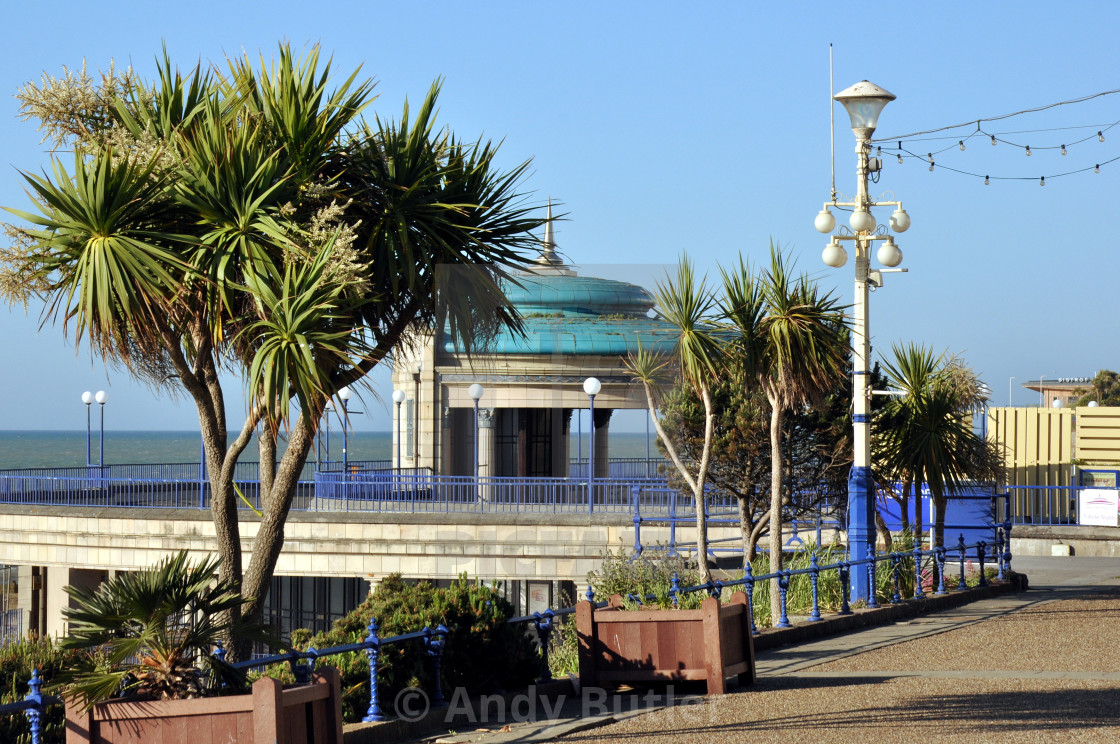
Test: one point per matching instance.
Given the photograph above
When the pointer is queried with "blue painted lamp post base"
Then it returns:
(861, 528)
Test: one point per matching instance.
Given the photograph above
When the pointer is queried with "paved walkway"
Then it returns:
(1042, 665)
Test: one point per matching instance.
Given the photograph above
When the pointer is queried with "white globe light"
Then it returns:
(1057, 403)
(592, 386)
(345, 393)
(889, 254)
(1093, 404)
(101, 397)
(824, 221)
(398, 396)
(475, 391)
(87, 397)
(862, 221)
(900, 221)
(834, 255)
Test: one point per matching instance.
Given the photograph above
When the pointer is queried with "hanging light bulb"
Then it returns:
(1100, 136)
(1097, 169)
(1063, 149)
(986, 181)
(879, 152)
(993, 140)
(1042, 181)
(900, 159)
(1028, 151)
(931, 166)
(961, 143)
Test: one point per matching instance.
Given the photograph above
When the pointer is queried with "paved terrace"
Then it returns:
(1037, 666)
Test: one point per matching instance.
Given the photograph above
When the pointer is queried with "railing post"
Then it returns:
(302, 672)
(783, 590)
(939, 560)
(814, 579)
(374, 713)
(1007, 545)
(896, 568)
(962, 550)
(590, 594)
(434, 641)
(981, 549)
(674, 589)
(999, 553)
(918, 593)
(673, 522)
(35, 714)
(845, 571)
(543, 621)
(748, 576)
(636, 499)
(872, 583)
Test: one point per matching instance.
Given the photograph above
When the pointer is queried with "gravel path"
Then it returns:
(1039, 667)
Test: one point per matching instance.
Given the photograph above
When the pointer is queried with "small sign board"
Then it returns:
(1098, 478)
(1098, 506)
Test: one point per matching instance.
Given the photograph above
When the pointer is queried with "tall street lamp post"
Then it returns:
(591, 386)
(102, 397)
(345, 394)
(475, 391)
(87, 398)
(398, 398)
(863, 101)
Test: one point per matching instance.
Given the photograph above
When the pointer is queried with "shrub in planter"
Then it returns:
(17, 660)
(149, 634)
(651, 572)
(483, 652)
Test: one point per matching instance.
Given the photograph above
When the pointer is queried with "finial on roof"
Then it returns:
(548, 245)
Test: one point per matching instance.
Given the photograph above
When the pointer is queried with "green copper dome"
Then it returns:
(568, 314)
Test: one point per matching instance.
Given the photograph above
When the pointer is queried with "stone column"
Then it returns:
(486, 453)
(445, 442)
(602, 439)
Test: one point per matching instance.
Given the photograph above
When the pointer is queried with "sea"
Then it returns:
(44, 449)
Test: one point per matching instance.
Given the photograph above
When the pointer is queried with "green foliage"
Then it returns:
(150, 633)
(641, 575)
(483, 652)
(16, 662)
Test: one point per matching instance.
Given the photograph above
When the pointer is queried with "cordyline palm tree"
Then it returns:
(150, 633)
(925, 437)
(687, 305)
(250, 219)
(792, 336)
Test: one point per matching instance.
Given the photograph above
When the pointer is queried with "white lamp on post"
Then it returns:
(864, 102)
(591, 386)
(476, 391)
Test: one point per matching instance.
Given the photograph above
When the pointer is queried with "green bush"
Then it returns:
(16, 662)
(483, 652)
(645, 574)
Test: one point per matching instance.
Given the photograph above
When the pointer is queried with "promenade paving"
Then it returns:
(1041, 665)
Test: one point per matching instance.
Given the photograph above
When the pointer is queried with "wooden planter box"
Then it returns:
(272, 714)
(710, 644)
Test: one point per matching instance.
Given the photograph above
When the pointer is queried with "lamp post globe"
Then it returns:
(591, 386)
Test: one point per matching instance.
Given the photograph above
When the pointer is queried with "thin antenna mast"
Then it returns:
(832, 122)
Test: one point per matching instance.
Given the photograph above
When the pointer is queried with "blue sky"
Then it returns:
(703, 128)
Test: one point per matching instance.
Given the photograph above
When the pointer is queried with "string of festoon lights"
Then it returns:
(907, 147)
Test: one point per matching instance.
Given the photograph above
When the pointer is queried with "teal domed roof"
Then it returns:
(564, 313)
(571, 295)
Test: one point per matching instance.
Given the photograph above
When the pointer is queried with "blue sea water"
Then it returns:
(41, 449)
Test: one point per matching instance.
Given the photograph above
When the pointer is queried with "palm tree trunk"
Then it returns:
(776, 520)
